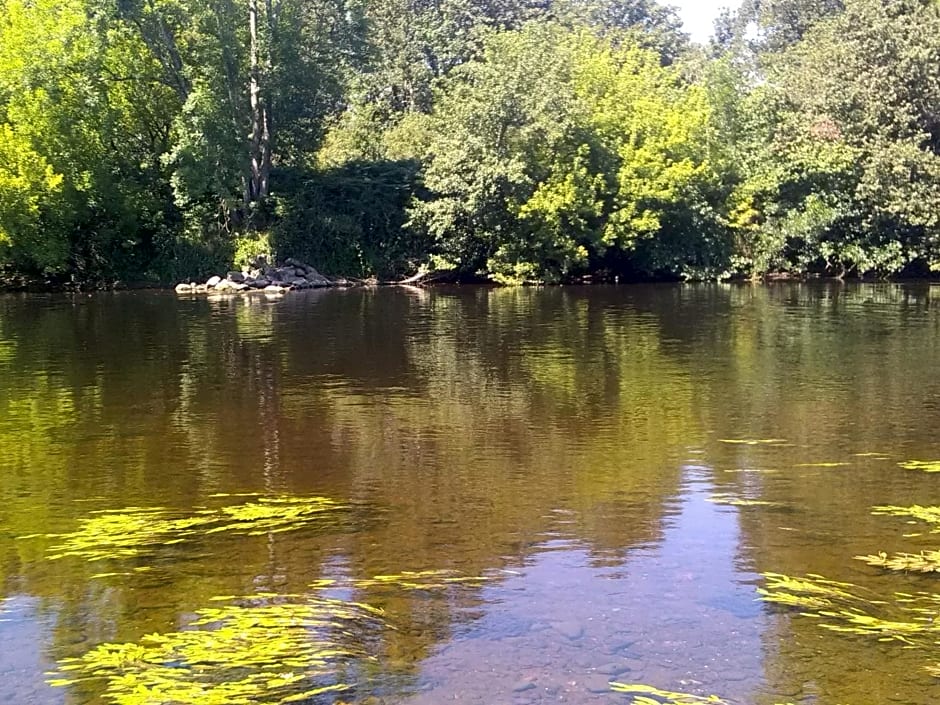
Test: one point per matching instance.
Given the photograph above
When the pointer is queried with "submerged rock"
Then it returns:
(569, 630)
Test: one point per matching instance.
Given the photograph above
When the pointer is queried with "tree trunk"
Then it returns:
(260, 126)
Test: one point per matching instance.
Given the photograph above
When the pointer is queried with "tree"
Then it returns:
(850, 181)
(557, 146)
(779, 24)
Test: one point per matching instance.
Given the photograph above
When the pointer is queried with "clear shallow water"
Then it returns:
(562, 442)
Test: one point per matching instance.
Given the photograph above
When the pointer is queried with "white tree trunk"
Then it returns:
(260, 120)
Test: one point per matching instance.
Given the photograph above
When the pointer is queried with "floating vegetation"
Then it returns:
(752, 441)
(812, 592)
(922, 465)
(273, 515)
(260, 650)
(266, 649)
(923, 562)
(648, 695)
(839, 608)
(824, 465)
(930, 515)
(733, 501)
(134, 531)
(408, 580)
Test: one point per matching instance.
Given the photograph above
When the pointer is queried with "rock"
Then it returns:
(259, 283)
(597, 684)
(620, 645)
(300, 283)
(300, 271)
(274, 289)
(569, 630)
(241, 287)
(236, 277)
(614, 668)
(184, 289)
(224, 285)
(201, 288)
(213, 281)
(522, 686)
(318, 280)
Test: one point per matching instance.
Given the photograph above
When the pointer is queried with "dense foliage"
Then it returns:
(519, 141)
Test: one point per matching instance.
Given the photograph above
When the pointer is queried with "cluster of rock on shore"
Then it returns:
(262, 276)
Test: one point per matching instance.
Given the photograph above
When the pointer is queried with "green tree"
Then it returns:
(88, 116)
(848, 181)
(557, 146)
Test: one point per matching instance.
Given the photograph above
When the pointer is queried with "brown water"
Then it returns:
(563, 443)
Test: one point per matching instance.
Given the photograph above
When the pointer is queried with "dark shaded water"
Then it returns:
(562, 442)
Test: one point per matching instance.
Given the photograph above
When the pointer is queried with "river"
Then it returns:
(563, 487)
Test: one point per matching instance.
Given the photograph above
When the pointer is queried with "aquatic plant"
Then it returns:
(812, 592)
(923, 562)
(264, 650)
(824, 465)
(930, 515)
(124, 533)
(416, 580)
(134, 531)
(733, 501)
(922, 465)
(839, 607)
(752, 441)
(274, 514)
(648, 695)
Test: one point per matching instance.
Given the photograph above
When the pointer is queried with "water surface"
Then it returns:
(563, 443)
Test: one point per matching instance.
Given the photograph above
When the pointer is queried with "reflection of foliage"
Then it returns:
(647, 695)
(134, 531)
